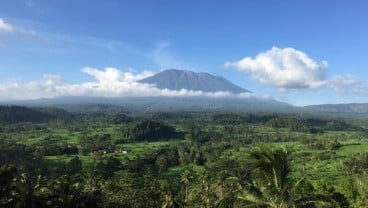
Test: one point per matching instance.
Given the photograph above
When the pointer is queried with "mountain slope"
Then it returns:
(174, 79)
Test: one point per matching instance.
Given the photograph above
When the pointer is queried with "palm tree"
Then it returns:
(25, 193)
(221, 184)
(185, 179)
(170, 201)
(7, 174)
(204, 192)
(230, 194)
(271, 185)
(69, 194)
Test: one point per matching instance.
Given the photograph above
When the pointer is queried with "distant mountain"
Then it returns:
(349, 108)
(174, 79)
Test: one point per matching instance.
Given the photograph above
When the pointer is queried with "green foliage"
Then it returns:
(53, 145)
(121, 119)
(292, 123)
(148, 130)
(7, 174)
(93, 143)
(226, 119)
(357, 164)
(272, 185)
(322, 143)
(74, 166)
(114, 160)
(197, 135)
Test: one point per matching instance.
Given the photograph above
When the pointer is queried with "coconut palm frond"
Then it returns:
(316, 199)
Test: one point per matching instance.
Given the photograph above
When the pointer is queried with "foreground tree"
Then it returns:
(185, 179)
(26, 193)
(170, 201)
(68, 193)
(203, 193)
(271, 184)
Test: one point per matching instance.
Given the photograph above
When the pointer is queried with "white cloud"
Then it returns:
(110, 75)
(284, 68)
(109, 82)
(6, 27)
(288, 68)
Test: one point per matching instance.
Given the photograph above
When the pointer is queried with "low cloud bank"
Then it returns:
(109, 82)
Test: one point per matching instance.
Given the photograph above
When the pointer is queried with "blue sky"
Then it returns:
(301, 52)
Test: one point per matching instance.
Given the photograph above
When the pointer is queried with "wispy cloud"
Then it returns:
(56, 43)
(163, 57)
(110, 45)
(290, 69)
(9, 30)
(344, 84)
(160, 56)
(64, 43)
(38, 8)
(109, 82)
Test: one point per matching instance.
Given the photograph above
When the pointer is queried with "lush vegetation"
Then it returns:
(51, 158)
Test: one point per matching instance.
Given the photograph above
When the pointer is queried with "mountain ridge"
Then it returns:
(175, 79)
(349, 108)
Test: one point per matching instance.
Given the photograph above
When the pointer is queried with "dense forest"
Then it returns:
(53, 158)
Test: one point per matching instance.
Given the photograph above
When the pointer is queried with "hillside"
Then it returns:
(349, 108)
(16, 114)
